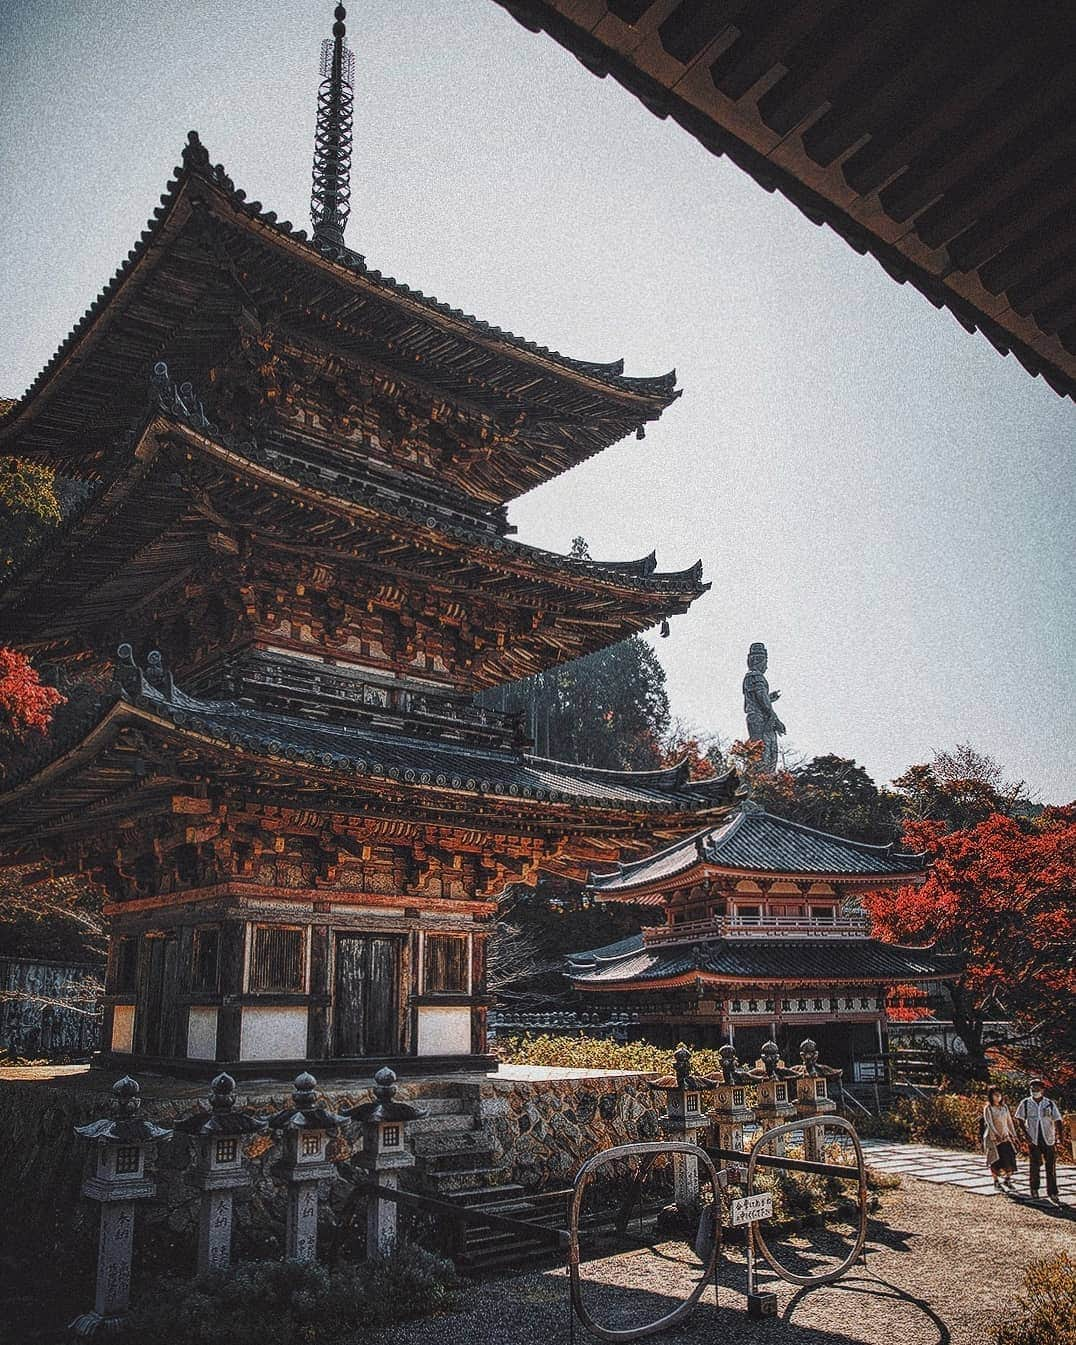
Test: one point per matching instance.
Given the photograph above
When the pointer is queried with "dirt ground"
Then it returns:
(942, 1266)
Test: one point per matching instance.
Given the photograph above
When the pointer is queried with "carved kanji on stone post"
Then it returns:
(220, 1168)
(384, 1154)
(116, 1177)
(305, 1130)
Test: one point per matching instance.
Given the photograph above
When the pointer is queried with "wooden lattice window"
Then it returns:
(276, 959)
(445, 961)
(205, 958)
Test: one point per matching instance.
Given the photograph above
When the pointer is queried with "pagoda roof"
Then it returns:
(755, 841)
(82, 770)
(209, 260)
(935, 138)
(143, 527)
(630, 962)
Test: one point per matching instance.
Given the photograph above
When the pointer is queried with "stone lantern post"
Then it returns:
(219, 1168)
(812, 1095)
(772, 1080)
(683, 1120)
(384, 1155)
(305, 1130)
(730, 1112)
(116, 1176)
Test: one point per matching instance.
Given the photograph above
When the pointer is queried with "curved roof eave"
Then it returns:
(658, 391)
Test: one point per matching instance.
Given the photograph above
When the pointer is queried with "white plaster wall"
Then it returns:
(444, 1031)
(202, 1034)
(273, 1033)
(123, 1028)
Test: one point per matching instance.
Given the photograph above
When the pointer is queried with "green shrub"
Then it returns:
(949, 1119)
(292, 1303)
(593, 1053)
(1047, 1312)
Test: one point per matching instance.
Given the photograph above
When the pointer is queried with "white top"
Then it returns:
(1040, 1118)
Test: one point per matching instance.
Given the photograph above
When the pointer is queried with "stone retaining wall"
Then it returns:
(543, 1131)
(540, 1130)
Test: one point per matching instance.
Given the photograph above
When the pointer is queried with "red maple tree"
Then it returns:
(1001, 900)
(25, 702)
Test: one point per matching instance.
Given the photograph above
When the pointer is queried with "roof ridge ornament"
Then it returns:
(330, 200)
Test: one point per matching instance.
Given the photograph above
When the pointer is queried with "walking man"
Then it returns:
(1039, 1120)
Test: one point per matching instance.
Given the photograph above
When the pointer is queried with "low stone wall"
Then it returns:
(541, 1125)
(544, 1129)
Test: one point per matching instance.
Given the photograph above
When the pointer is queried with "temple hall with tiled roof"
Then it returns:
(763, 936)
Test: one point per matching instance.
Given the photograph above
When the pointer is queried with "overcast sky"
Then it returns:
(876, 494)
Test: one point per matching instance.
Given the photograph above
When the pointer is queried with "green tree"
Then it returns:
(609, 709)
(960, 788)
(834, 794)
(29, 508)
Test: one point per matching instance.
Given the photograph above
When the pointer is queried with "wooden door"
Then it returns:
(157, 1015)
(366, 1002)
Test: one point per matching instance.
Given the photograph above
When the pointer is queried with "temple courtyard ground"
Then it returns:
(943, 1266)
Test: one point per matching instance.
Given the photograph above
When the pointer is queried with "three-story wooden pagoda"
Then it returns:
(270, 615)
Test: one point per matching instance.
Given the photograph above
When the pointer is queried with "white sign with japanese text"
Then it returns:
(748, 1209)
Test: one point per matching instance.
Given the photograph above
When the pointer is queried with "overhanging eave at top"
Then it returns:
(938, 139)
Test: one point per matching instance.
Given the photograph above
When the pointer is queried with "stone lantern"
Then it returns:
(305, 1130)
(772, 1080)
(683, 1120)
(219, 1169)
(812, 1095)
(730, 1112)
(384, 1155)
(116, 1176)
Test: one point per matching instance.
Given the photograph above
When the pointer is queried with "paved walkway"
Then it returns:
(953, 1167)
(942, 1266)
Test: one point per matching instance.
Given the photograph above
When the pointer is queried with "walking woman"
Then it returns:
(999, 1140)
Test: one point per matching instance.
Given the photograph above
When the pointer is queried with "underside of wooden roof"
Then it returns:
(174, 488)
(115, 755)
(940, 139)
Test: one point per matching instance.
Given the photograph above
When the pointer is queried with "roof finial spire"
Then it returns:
(330, 202)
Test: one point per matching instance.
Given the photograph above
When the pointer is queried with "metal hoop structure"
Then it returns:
(582, 1178)
(755, 1237)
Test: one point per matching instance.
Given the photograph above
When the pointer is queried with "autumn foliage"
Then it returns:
(25, 702)
(1000, 899)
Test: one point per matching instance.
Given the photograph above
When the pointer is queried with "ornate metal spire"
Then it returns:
(330, 200)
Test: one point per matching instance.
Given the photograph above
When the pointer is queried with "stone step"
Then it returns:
(454, 1182)
(444, 1106)
(488, 1196)
(458, 1160)
(433, 1144)
(441, 1123)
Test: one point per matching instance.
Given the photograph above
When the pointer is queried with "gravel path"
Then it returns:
(942, 1266)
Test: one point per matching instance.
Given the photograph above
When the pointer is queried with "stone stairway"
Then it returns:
(453, 1151)
(477, 1249)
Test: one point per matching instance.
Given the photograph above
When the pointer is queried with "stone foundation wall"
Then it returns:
(539, 1131)
(543, 1131)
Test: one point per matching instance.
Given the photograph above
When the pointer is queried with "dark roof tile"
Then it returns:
(754, 840)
